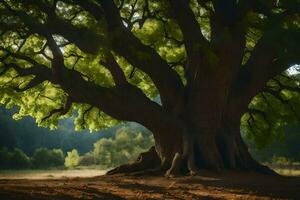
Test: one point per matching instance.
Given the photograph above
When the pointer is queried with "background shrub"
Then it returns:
(44, 158)
(57, 158)
(72, 159)
(124, 147)
(5, 157)
(19, 160)
(16, 159)
(87, 159)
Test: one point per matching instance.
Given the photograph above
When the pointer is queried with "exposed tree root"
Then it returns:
(175, 166)
(229, 153)
(236, 156)
(145, 162)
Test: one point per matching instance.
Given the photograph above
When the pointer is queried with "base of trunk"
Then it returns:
(145, 163)
(228, 153)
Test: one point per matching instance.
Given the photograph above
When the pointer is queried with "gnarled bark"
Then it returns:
(195, 151)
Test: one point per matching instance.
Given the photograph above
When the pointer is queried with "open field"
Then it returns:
(228, 185)
(92, 172)
(49, 174)
(287, 172)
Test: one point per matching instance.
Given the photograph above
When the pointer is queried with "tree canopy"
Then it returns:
(107, 60)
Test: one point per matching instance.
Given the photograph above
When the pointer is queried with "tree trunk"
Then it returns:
(180, 150)
(204, 133)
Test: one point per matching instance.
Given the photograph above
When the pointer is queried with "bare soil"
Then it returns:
(228, 185)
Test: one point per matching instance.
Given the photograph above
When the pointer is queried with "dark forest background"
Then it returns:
(26, 135)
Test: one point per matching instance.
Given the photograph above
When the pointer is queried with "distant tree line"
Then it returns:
(41, 159)
(124, 147)
(26, 135)
(37, 148)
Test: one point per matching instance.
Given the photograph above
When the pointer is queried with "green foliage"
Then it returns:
(25, 135)
(287, 146)
(87, 159)
(19, 160)
(124, 147)
(5, 158)
(16, 159)
(44, 158)
(72, 159)
(38, 101)
(273, 110)
(281, 160)
(57, 157)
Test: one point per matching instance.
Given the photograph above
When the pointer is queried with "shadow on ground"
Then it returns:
(228, 185)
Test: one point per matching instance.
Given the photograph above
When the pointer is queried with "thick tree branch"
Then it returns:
(228, 37)
(261, 113)
(122, 103)
(33, 83)
(143, 57)
(93, 8)
(86, 39)
(38, 70)
(115, 70)
(193, 37)
(61, 111)
(266, 61)
(226, 11)
(123, 42)
(277, 95)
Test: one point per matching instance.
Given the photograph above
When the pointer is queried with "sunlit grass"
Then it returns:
(49, 174)
(287, 172)
(284, 166)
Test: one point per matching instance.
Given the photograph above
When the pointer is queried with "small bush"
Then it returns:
(72, 159)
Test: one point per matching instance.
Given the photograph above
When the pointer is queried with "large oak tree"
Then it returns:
(206, 59)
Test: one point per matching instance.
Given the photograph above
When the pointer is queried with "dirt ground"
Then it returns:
(228, 185)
